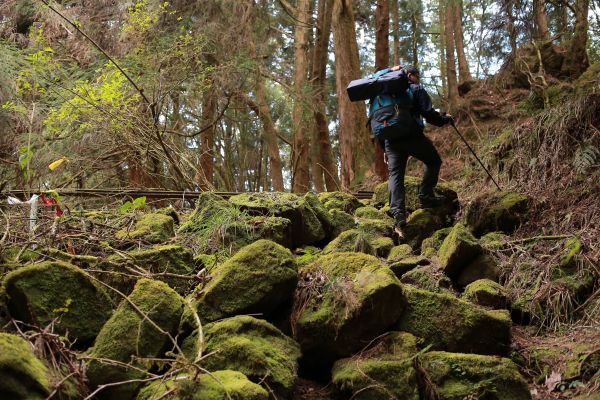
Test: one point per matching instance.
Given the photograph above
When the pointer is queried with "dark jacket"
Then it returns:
(422, 106)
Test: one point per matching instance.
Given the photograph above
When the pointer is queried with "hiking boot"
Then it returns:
(399, 221)
(431, 201)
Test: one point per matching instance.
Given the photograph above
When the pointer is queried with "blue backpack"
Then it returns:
(392, 116)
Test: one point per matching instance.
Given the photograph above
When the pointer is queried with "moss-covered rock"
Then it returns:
(168, 263)
(216, 385)
(427, 277)
(307, 255)
(407, 264)
(484, 266)
(39, 293)
(370, 213)
(22, 375)
(257, 279)
(376, 227)
(571, 249)
(412, 184)
(451, 324)
(340, 201)
(494, 240)
(431, 245)
(306, 226)
(384, 371)
(571, 359)
(342, 221)
(208, 206)
(487, 293)
(458, 250)
(468, 376)
(171, 212)
(129, 336)
(151, 228)
(251, 346)
(321, 212)
(399, 252)
(422, 223)
(345, 300)
(501, 211)
(356, 240)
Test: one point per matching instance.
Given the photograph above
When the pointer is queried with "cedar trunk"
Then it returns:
(576, 60)
(396, 31)
(270, 136)
(450, 60)
(541, 20)
(324, 168)
(300, 154)
(463, 66)
(356, 151)
(204, 176)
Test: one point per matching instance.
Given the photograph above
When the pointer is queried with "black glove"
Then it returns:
(447, 118)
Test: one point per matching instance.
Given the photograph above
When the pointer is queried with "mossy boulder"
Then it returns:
(22, 375)
(422, 223)
(171, 212)
(129, 336)
(458, 249)
(451, 324)
(384, 371)
(216, 385)
(169, 263)
(407, 264)
(494, 240)
(376, 227)
(501, 211)
(257, 279)
(151, 228)
(487, 293)
(39, 293)
(307, 255)
(484, 266)
(431, 245)
(340, 201)
(412, 184)
(342, 221)
(399, 252)
(356, 240)
(306, 226)
(456, 376)
(253, 347)
(571, 249)
(370, 213)
(344, 301)
(427, 277)
(574, 360)
(208, 206)
(322, 214)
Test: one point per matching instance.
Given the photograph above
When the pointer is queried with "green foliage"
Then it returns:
(586, 156)
(137, 203)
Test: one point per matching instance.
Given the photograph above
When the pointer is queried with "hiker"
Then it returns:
(417, 145)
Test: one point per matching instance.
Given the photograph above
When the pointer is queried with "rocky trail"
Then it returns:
(275, 295)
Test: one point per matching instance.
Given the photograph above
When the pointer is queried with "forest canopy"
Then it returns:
(248, 95)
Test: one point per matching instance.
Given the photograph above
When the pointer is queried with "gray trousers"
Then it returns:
(397, 152)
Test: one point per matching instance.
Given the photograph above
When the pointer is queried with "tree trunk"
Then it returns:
(324, 169)
(576, 60)
(382, 59)
(541, 20)
(396, 31)
(464, 74)
(414, 36)
(204, 176)
(442, 47)
(356, 150)
(510, 26)
(300, 154)
(450, 60)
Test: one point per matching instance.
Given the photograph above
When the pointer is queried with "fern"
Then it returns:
(586, 157)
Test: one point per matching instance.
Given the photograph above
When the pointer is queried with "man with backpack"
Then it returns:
(409, 107)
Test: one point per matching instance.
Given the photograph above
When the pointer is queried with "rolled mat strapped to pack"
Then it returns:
(386, 81)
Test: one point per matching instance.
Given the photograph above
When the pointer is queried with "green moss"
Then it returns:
(407, 264)
(431, 245)
(370, 213)
(350, 298)
(494, 240)
(307, 255)
(208, 206)
(151, 228)
(339, 201)
(385, 370)
(254, 347)
(462, 376)
(342, 221)
(18, 254)
(206, 261)
(216, 385)
(376, 227)
(39, 293)
(422, 223)
(22, 375)
(306, 226)
(170, 211)
(356, 240)
(588, 81)
(323, 215)
(451, 324)
(257, 279)
(572, 248)
(501, 211)
(412, 184)
(399, 252)
(169, 259)
(458, 249)
(382, 246)
(128, 336)
(427, 278)
(486, 293)
(81, 261)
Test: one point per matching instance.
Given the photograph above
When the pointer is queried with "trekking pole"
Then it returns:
(473, 152)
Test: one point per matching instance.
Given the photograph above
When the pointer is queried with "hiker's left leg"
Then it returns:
(423, 150)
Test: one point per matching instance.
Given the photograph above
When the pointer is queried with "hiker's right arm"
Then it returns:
(425, 107)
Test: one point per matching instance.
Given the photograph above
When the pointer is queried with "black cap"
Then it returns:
(411, 69)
